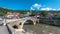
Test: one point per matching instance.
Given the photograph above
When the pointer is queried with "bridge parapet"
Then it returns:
(20, 21)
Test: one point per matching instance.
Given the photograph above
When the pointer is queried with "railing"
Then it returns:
(10, 29)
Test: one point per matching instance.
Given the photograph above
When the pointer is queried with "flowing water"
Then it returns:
(42, 29)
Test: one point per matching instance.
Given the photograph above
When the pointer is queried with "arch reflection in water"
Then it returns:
(29, 22)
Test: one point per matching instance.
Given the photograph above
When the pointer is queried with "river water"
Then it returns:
(42, 29)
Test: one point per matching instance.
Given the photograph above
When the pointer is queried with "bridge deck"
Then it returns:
(3, 30)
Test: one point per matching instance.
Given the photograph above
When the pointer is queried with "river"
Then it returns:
(42, 29)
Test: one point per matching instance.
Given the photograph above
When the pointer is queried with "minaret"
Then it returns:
(30, 10)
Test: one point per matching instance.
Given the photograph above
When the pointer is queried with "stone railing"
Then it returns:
(10, 29)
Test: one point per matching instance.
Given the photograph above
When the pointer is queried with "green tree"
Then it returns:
(44, 13)
(1, 14)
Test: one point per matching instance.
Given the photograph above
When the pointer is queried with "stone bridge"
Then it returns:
(21, 21)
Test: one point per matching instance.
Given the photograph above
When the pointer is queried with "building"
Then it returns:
(13, 15)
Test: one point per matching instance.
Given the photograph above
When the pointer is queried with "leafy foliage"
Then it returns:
(44, 13)
(3, 11)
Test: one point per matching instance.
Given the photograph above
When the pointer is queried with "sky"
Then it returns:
(31, 4)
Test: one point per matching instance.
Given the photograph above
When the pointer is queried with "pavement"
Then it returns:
(3, 30)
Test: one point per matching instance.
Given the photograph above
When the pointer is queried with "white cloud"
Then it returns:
(47, 9)
(31, 8)
(39, 7)
(53, 9)
(35, 6)
(58, 9)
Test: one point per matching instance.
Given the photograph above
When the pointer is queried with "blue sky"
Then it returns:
(26, 4)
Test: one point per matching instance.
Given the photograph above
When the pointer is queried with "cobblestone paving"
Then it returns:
(3, 30)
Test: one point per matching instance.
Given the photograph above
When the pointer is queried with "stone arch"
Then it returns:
(29, 22)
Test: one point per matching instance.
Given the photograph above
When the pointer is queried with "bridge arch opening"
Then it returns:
(15, 27)
(29, 22)
(20, 23)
